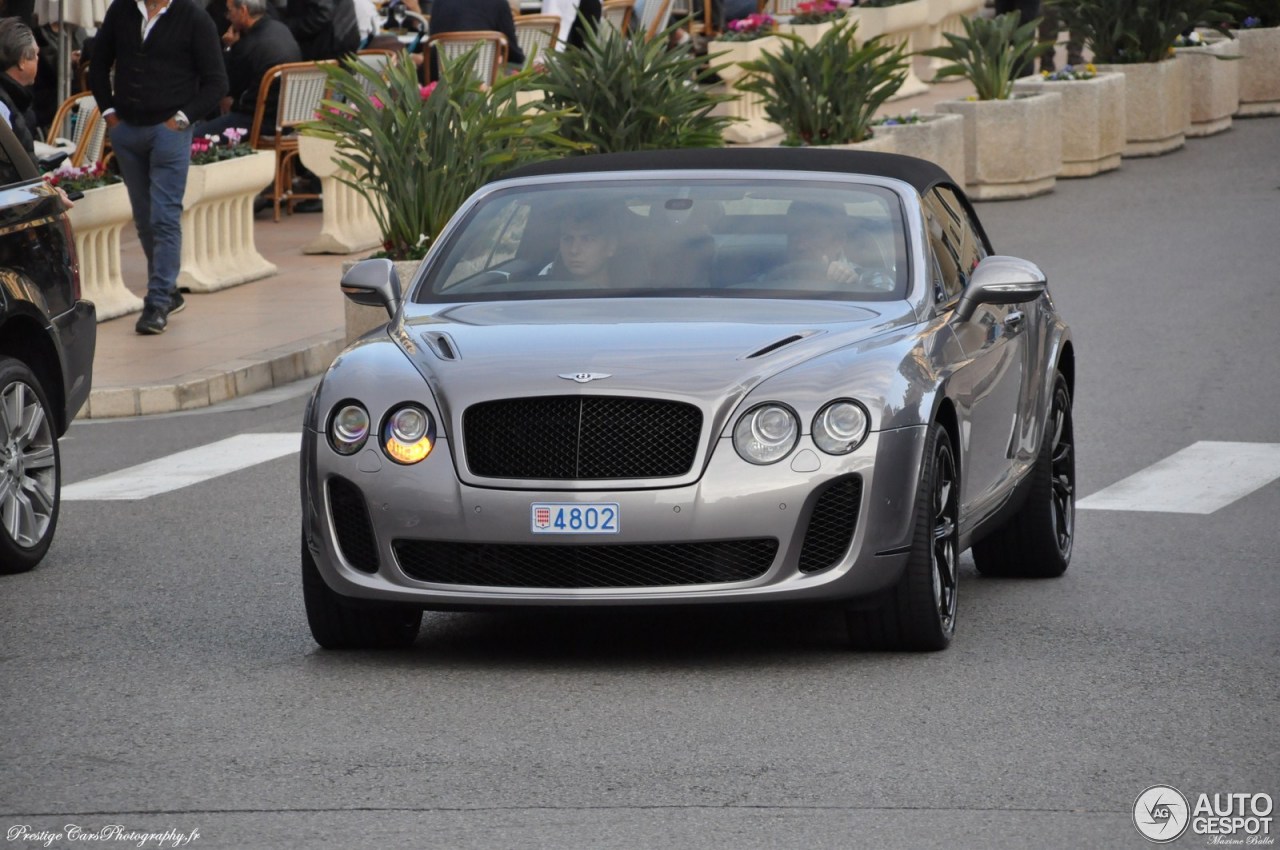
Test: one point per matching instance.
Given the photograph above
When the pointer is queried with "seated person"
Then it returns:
(817, 235)
(588, 242)
(471, 15)
(255, 44)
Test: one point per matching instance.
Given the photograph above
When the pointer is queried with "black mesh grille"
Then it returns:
(352, 525)
(629, 565)
(835, 517)
(577, 437)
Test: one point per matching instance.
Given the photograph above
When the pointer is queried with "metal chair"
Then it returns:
(490, 57)
(88, 131)
(302, 87)
(536, 34)
(618, 13)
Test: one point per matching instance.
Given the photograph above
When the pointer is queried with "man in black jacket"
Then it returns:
(324, 29)
(168, 69)
(257, 43)
(19, 61)
(468, 15)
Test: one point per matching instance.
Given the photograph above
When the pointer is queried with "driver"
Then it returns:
(587, 244)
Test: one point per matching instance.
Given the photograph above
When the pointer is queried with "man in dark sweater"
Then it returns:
(168, 69)
(257, 43)
(468, 15)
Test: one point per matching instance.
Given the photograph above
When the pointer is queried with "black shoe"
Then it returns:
(312, 205)
(152, 321)
(176, 302)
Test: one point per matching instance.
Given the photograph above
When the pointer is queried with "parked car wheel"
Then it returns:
(339, 622)
(920, 612)
(30, 481)
(1037, 542)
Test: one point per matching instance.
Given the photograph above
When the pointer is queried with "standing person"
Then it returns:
(1028, 10)
(168, 67)
(256, 44)
(324, 29)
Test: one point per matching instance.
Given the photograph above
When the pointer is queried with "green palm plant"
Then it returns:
(989, 53)
(627, 93)
(415, 153)
(826, 94)
(1123, 31)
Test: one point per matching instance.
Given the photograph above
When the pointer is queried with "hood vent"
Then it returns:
(441, 345)
(782, 343)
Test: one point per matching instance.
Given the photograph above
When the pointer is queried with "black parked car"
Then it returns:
(47, 338)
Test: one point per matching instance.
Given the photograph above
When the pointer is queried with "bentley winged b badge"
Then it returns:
(585, 377)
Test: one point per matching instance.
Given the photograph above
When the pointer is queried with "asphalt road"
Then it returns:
(156, 671)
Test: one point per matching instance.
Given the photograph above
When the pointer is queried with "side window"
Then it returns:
(970, 245)
(945, 243)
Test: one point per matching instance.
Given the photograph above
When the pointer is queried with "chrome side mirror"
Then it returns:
(1000, 280)
(373, 283)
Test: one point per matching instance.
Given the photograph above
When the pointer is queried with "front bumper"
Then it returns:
(731, 501)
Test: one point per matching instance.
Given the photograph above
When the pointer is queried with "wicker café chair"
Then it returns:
(88, 131)
(654, 17)
(618, 13)
(303, 85)
(536, 35)
(785, 7)
(490, 57)
(378, 60)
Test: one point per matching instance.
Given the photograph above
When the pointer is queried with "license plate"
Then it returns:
(575, 518)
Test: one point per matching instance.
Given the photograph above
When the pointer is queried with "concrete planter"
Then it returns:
(348, 223)
(809, 33)
(1157, 106)
(879, 143)
(1093, 121)
(751, 125)
(97, 220)
(929, 36)
(1259, 71)
(1213, 80)
(218, 248)
(361, 319)
(1012, 148)
(937, 138)
(898, 25)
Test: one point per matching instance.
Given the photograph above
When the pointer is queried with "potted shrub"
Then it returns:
(218, 248)
(1213, 81)
(1013, 142)
(625, 93)
(813, 19)
(415, 153)
(826, 94)
(1093, 116)
(1135, 38)
(97, 220)
(937, 137)
(1258, 31)
(744, 41)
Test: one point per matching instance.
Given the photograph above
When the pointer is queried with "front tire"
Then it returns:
(30, 469)
(1037, 541)
(920, 611)
(339, 622)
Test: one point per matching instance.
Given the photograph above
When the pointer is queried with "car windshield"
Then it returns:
(672, 237)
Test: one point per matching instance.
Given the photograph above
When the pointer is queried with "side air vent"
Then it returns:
(441, 345)
(782, 343)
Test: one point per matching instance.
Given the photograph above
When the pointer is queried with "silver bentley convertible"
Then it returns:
(688, 378)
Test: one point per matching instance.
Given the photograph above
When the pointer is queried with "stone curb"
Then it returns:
(274, 367)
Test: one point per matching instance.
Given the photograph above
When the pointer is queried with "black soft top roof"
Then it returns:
(920, 173)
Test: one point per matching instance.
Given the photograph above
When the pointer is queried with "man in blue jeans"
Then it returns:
(168, 71)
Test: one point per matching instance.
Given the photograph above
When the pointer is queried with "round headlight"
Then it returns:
(408, 435)
(348, 429)
(766, 434)
(840, 427)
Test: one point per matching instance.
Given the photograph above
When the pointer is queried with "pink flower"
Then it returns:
(377, 104)
(425, 91)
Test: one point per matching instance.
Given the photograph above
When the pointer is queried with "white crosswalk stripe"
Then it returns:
(184, 468)
(1202, 478)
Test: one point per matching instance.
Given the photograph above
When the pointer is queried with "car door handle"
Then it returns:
(1013, 321)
